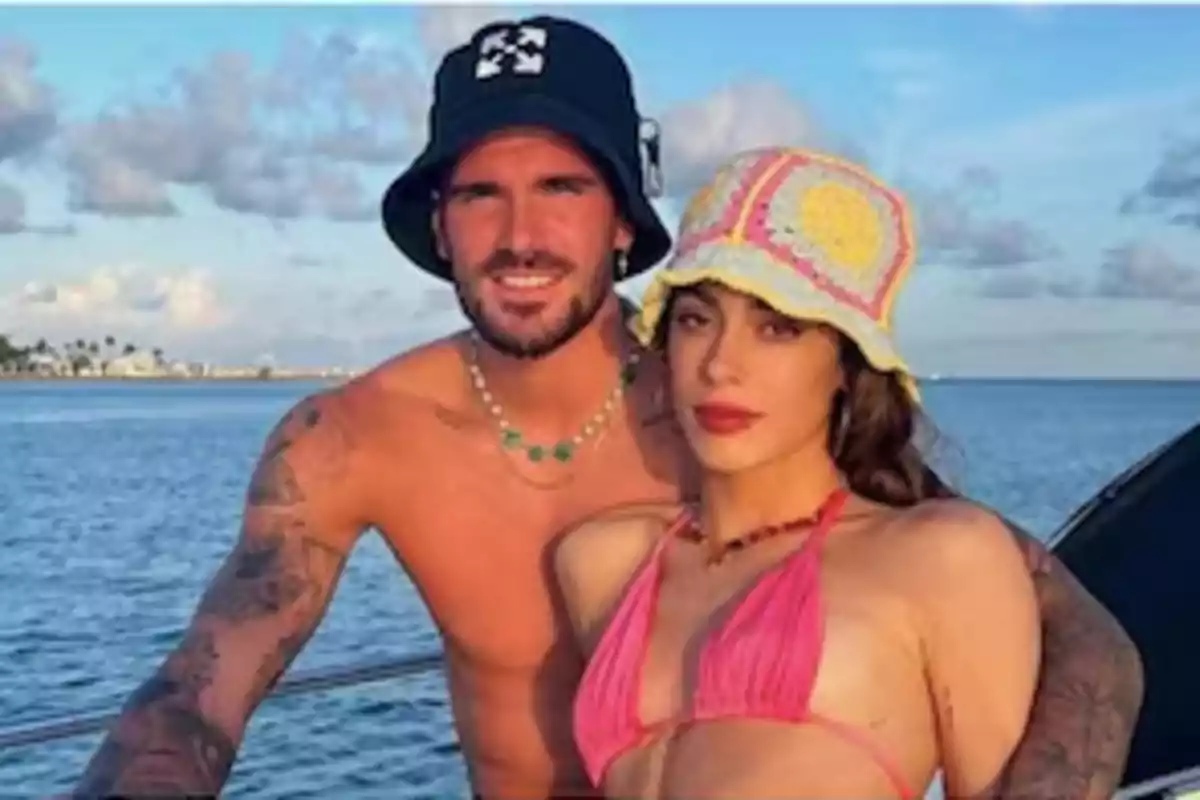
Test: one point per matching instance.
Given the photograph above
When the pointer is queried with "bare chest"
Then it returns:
(478, 530)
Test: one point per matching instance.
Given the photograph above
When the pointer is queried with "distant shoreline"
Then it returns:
(314, 376)
(319, 376)
(1060, 379)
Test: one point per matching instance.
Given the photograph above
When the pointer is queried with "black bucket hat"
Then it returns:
(539, 72)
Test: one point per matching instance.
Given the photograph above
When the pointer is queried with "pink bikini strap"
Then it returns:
(682, 519)
(831, 510)
(864, 741)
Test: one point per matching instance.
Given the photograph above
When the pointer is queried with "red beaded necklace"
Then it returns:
(718, 550)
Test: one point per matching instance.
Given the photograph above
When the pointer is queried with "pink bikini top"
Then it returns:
(761, 662)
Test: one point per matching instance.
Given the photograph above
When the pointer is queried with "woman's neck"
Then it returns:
(733, 505)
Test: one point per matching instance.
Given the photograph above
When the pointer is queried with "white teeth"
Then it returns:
(526, 281)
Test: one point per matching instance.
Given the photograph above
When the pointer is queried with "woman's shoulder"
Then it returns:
(954, 539)
(614, 535)
(942, 513)
(595, 559)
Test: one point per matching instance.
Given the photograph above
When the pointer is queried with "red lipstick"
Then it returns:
(724, 419)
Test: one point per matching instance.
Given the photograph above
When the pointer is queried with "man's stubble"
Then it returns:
(581, 311)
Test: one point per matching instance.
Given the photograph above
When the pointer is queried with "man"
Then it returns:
(471, 453)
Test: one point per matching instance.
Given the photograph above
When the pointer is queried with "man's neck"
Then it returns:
(735, 504)
(563, 387)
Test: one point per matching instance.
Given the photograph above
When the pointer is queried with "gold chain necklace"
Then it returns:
(564, 450)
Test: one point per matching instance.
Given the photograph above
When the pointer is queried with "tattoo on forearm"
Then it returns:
(173, 752)
(162, 744)
(1088, 697)
(275, 574)
(272, 669)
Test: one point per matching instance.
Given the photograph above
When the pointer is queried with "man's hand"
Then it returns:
(1088, 698)
(179, 731)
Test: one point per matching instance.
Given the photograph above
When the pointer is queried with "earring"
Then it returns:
(843, 424)
(622, 264)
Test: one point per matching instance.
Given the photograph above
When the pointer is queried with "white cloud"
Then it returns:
(1106, 131)
(310, 319)
(1049, 335)
(700, 135)
(28, 107)
(123, 298)
(911, 75)
(1147, 271)
(12, 209)
(953, 229)
(445, 27)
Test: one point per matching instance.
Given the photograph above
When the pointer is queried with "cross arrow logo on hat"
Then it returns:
(523, 57)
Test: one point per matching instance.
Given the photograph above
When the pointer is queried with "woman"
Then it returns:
(828, 620)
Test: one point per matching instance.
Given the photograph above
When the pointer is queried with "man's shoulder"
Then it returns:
(343, 439)
(395, 393)
(416, 379)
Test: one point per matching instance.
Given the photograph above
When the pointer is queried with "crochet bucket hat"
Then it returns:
(815, 237)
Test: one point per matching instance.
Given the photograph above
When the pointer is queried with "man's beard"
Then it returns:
(581, 310)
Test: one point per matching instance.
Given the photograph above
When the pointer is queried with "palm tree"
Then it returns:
(109, 343)
(8, 351)
(12, 357)
(79, 359)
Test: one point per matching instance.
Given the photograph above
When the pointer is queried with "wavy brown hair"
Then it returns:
(878, 436)
(880, 443)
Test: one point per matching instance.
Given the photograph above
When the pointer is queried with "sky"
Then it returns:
(207, 180)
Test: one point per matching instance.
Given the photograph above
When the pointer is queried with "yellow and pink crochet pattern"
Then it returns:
(815, 237)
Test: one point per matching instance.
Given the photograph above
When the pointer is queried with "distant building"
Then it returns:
(186, 369)
(47, 364)
(136, 364)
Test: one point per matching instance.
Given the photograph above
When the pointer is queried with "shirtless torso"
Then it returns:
(409, 450)
(512, 666)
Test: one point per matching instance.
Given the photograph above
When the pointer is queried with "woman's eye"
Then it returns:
(689, 319)
(783, 329)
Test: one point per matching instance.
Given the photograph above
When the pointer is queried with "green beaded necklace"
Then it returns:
(563, 451)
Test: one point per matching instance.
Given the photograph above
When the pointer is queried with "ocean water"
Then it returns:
(117, 502)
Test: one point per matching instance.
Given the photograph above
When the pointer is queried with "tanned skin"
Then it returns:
(410, 450)
(1089, 693)
(179, 731)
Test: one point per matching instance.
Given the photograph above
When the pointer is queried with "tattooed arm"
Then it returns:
(1088, 697)
(179, 731)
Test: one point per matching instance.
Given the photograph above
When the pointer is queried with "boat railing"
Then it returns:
(32, 732)
(1182, 785)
